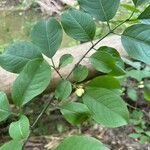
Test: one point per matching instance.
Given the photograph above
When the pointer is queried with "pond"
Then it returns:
(17, 25)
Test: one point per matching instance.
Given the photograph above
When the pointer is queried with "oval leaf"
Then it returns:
(100, 9)
(107, 108)
(75, 113)
(32, 81)
(16, 145)
(81, 143)
(136, 41)
(63, 90)
(17, 55)
(108, 60)
(20, 130)
(65, 60)
(4, 107)
(80, 73)
(78, 25)
(48, 36)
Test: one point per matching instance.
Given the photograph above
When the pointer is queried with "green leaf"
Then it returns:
(107, 82)
(135, 135)
(139, 2)
(100, 9)
(81, 143)
(108, 60)
(78, 25)
(20, 130)
(136, 41)
(130, 7)
(16, 145)
(144, 139)
(80, 73)
(107, 108)
(145, 16)
(63, 90)
(4, 107)
(132, 94)
(47, 34)
(75, 113)
(17, 55)
(65, 60)
(147, 92)
(32, 81)
(138, 74)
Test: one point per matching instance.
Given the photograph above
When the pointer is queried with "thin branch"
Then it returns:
(39, 117)
(53, 65)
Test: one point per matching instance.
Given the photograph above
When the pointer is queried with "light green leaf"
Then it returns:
(47, 34)
(136, 41)
(102, 10)
(107, 60)
(80, 73)
(105, 81)
(81, 143)
(65, 60)
(63, 90)
(75, 113)
(147, 92)
(107, 108)
(32, 81)
(78, 25)
(17, 55)
(132, 94)
(20, 130)
(16, 145)
(135, 135)
(138, 74)
(130, 7)
(139, 2)
(4, 107)
(145, 16)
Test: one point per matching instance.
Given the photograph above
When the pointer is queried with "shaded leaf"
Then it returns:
(75, 113)
(139, 2)
(4, 107)
(132, 94)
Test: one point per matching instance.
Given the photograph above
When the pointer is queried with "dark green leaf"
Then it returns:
(31, 82)
(14, 145)
(136, 41)
(80, 73)
(108, 60)
(78, 25)
(4, 107)
(139, 2)
(63, 90)
(145, 16)
(20, 130)
(100, 9)
(105, 81)
(65, 60)
(81, 143)
(47, 34)
(75, 113)
(107, 108)
(17, 55)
